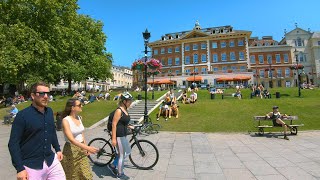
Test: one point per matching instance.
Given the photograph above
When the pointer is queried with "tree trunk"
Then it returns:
(69, 86)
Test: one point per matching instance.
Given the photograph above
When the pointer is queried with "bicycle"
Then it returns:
(144, 154)
(149, 127)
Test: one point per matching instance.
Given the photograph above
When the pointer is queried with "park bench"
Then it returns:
(264, 122)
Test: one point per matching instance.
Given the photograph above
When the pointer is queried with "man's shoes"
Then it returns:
(169, 117)
(157, 119)
(286, 137)
(123, 177)
(113, 169)
(166, 119)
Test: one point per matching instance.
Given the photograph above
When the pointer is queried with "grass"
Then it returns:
(214, 115)
(92, 112)
(233, 115)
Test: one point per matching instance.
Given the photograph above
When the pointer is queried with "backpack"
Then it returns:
(110, 119)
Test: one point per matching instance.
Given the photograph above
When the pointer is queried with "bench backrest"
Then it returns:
(261, 118)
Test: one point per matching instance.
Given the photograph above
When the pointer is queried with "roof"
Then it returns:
(316, 35)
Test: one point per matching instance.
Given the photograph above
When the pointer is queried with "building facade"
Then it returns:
(203, 55)
(270, 62)
(223, 55)
(122, 77)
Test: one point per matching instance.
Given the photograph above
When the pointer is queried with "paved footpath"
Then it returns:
(186, 156)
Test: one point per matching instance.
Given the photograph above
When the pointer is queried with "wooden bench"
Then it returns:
(261, 125)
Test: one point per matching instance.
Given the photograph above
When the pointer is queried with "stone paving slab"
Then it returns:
(206, 156)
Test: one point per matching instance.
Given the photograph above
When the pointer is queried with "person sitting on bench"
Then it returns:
(11, 114)
(276, 119)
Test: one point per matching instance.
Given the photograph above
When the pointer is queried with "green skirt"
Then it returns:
(75, 163)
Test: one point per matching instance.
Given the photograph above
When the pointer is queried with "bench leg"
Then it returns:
(261, 132)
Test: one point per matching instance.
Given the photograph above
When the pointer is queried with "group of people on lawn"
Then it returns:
(169, 106)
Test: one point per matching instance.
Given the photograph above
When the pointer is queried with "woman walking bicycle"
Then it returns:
(119, 140)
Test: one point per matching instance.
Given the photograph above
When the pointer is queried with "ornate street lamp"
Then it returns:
(146, 37)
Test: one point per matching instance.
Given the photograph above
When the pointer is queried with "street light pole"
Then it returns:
(170, 76)
(146, 36)
(152, 86)
(297, 68)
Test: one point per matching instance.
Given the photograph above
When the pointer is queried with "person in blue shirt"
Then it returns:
(12, 114)
(32, 136)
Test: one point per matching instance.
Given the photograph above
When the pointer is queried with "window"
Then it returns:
(224, 69)
(240, 42)
(177, 49)
(252, 59)
(169, 50)
(203, 70)
(215, 58)
(279, 72)
(278, 60)
(177, 71)
(232, 56)
(162, 50)
(260, 59)
(203, 58)
(299, 42)
(195, 58)
(234, 68)
(261, 74)
(269, 58)
(187, 48)
(215, 69)
(214, 45)
(305, 58)
(162, 62)
(231, 43)
(187, 71)
(155, 52)
(169, 61)
(286, 58)
(287, 72)
(242, 68)
(196, 70)
(318, 43)
(241, 55)
(195, 47)
(223, 44)
(203, 46)
(187, 60)
(177, 61)
(223, 57)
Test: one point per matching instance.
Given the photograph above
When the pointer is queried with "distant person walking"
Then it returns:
(75, 150)
(32, 135)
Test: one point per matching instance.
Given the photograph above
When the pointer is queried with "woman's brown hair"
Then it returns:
(67, 110)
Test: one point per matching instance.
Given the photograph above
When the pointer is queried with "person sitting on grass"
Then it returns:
(193, 96)
(174, 110)
(163, 110)
(184, 96)
(277, 121)
(11, 114)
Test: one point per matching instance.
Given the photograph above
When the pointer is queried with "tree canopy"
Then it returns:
(49, 41)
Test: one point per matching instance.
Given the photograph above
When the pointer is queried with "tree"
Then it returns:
(48, 40)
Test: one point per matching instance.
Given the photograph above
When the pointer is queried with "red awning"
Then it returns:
(224, 79)
(194, 78)
(241, 78)
(161, 81)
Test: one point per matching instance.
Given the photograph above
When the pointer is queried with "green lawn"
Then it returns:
(92, 112)
(233, 115)
(214, 115)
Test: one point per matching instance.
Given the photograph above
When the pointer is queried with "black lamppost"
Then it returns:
(170, 74)
(194, 72)
(270, 72)
(296, 53)
(146, 36)
(152, 85)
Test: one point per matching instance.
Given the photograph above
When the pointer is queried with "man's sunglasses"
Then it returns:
(42, 94)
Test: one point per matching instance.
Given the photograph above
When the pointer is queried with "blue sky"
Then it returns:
(125, 20)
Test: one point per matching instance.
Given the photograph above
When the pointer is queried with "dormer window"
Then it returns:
(177, 36)
(163, 38)
(170, 37)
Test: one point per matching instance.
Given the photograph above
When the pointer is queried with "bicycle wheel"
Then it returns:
(105, 154)
(145, 155)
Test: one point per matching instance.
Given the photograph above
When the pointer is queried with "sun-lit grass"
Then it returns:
(233, 115)
(213, 115)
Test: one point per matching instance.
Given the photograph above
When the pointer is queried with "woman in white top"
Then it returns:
(75, 162)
